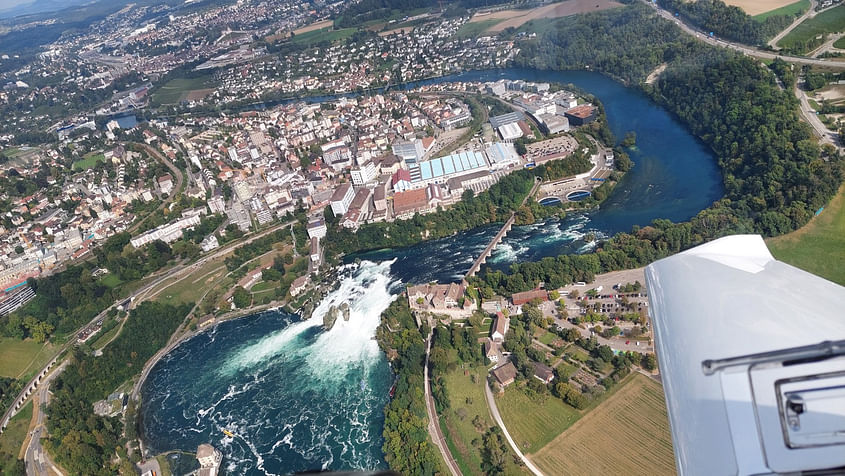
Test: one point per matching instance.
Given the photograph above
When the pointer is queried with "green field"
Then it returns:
(548, 338)
(324, 34)
(830, 21)
(792, 10)
(177, 89)
(819, 246)
(474, 29)
(840, 43)
(627, 434)
(12, 439)
(533, 423)
(17, 356)
(110, 280)
(467, 401)
(89, 162)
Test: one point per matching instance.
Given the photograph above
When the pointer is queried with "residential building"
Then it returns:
(299, 284)
(492, 351)
(505, 374)
(501, 324)
(167, 233)
(165, 184)
(209, 243)
(543, 372)
(401, 180)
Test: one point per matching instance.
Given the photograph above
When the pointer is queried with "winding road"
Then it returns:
(433, 422)
(494, 410)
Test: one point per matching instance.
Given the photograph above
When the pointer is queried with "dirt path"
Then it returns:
(433, 426)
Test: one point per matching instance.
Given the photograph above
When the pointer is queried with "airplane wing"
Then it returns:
(752, 358)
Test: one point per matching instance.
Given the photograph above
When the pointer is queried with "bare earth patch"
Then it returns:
(756, 7)
(515, 18)
(198, 94)
(314, 26)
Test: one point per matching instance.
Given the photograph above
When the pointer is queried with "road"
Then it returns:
(36, 459)
(824, 134)
(180, 178)
(433, 422)
(491, 402)
(810, 13)
(745, 49)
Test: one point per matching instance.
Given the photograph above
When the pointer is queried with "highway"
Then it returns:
(745, 49)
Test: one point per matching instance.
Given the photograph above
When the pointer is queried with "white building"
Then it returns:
(167, 233)
(411, 152)
(363, 174)
(317, 229)
(341, 199)
(209, 458)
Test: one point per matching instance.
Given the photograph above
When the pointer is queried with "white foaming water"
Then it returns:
(367, 293)
(350, 344)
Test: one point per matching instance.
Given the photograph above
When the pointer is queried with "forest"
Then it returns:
(80, 441)
(727, 21)
(407, 447)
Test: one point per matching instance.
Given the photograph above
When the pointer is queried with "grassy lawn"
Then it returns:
(840, 43)
(792, 10)
(323, 34)
(578, 354)
(467, 402)
(177, 89)
(88, 162)
(548, 338)
(633, 422)
(533, 424)
(472, 30)
(831, 21)
(110, 280)
(18, 356)
(12, 439)
(264, 286)
(814, 104)
(103, 338)
(565, 369)
(819, 246)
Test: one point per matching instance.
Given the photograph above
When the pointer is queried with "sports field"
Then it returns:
(818, 246)
(627, 434)
(792, 9)
(830, 21)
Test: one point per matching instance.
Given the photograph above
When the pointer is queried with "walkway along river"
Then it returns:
(298, 397)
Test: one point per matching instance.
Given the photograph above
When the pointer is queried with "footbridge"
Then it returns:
(476, 266)
(493, 244)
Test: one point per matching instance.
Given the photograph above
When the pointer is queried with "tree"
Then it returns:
(241, 298)
(495, 452)
(649, 362)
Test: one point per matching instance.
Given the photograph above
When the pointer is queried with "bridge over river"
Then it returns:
(476, 266)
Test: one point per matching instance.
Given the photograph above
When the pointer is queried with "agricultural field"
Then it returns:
(627, 434)
(19, 356)
(324, 34)
(89, 162)
(533, 423)
(319, 25)
(818, 246)
(830, 21)
(763, 8)
(516, 18)
(12, 439)
(468, 404)
(182, 89)
(476, 28)
(770, 9)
